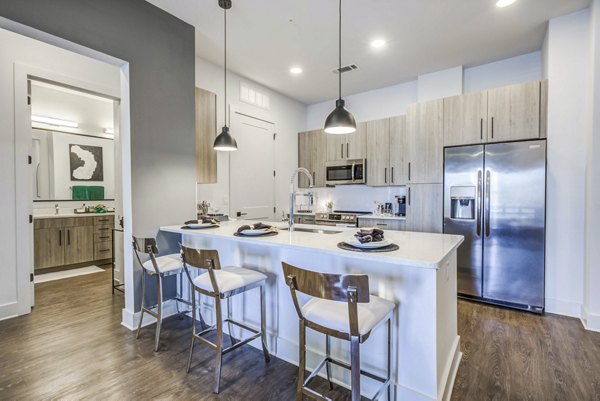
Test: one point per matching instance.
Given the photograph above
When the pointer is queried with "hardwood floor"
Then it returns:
(72, 346)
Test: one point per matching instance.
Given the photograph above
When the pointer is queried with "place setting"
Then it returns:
(202, 223)
(256, 230)
(368, 239)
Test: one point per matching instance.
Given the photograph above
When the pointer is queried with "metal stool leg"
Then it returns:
(143, 296)
(263, 324)
(355, 368)
(389, 359)
(301, 361)
(219, 348)
(158, 310)
(189, 364)
(231, 338)
(328, 354)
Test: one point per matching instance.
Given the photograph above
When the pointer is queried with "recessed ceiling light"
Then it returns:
(504, 3)
(378, 43)
(296, 70)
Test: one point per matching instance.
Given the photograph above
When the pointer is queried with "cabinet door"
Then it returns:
(304, 156)
(336, 147)
(424, 209)
(48, 247)
(79, 244)
(319, 156)
(465, 119)
(397, 150)
(514, 112)
(425, 136)
(378, 153)
(356, 143)
(384, 224)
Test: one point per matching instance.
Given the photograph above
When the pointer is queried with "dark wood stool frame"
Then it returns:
(350, 288)
(209, 260)
(148, 246)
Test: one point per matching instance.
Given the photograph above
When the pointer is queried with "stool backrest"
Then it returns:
(350, 288)
(202, 259)
(146, 246)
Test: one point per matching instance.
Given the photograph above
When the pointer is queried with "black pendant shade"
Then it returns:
(340, 121)
(224, 142)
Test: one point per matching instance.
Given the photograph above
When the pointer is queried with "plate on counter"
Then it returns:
(368, 245)
(197, 226)
(253, 233)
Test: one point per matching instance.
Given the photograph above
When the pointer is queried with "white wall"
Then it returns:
(18, 49)
(568, 115)
(440, 84)
(288, 115)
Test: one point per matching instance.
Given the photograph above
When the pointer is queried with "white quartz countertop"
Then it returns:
(424, 250)
(380, 217)
(64, 215)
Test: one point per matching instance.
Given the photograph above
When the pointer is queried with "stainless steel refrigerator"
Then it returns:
(495, 196)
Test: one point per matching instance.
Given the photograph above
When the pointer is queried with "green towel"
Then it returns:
(96, 192)
(80, 192)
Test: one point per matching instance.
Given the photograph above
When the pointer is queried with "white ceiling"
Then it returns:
(267, 37)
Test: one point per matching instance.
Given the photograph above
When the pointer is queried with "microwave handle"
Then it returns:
(353, 167)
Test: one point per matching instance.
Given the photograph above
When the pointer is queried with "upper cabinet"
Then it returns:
(350, 146)
(425, 142)
(385, 151)
(311, 155)
(465, 119)
(514, 112)
(510, 113)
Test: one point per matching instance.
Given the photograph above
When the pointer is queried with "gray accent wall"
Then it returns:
(161, 55)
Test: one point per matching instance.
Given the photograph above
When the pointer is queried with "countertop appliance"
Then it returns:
(345, 218)
(345, 172)
(495, 196)
(401, 211)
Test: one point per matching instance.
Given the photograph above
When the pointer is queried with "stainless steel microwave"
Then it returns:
(346, 172)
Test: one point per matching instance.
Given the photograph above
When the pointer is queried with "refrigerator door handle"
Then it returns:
(478, 200)
(487, 203)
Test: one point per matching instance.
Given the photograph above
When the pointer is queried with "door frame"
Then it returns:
(23, 193)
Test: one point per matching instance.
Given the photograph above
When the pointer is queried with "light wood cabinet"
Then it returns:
(425, 140)
(378, 153)
(384, 224)
(311, 155)
(465, 119)
(514, 112)
(397, 150)
(72, 240)
(206, 131)
(350, 146)
(424, 208)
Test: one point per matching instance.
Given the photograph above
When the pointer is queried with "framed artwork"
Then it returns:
(86, 163)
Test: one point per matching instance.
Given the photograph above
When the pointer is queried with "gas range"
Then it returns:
(339, 217)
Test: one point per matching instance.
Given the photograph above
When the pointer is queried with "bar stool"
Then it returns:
(340, 307)
(222, 283)
(158, 267)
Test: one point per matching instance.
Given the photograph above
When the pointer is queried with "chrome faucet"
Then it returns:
(293, 193)
(56, 209)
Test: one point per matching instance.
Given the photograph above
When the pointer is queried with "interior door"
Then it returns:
(252, 169)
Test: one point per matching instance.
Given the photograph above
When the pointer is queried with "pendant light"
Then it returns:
(340, 121)
(224, 142)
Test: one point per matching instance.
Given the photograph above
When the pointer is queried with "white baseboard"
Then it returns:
(8, 311)
(132, 319)
(450, 371)
(591, 321)
(563, 307)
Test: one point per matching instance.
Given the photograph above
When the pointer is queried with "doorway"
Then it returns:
(252, 169)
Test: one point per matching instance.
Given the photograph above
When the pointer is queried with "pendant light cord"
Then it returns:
(340, 51)
(225, 69)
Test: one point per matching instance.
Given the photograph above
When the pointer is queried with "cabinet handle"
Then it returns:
(408, 196)
(392, 175)
(103, 228)
(68, 237)
(103, 237)
(381, 225)
(102, 219)
(104, 250)
(492, 127)
(59, 237)
(408, 171)
(342, 148)
(481, 130)
(347, 150)
(385, 175)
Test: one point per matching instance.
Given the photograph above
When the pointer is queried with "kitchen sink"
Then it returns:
(313, 230)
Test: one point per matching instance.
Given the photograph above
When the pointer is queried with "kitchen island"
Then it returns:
(420, 278)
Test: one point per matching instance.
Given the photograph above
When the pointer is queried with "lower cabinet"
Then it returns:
(304, 219)
(424, 208)
(72, 240)
(384, 224)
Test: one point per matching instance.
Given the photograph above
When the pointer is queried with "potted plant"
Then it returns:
(329, 206)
